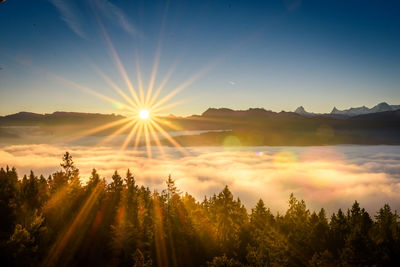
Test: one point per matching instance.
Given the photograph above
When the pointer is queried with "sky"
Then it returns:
(276, 54)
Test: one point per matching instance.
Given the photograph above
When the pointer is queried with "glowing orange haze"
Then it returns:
(321, 176)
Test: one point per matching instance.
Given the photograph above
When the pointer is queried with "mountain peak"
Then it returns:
(383, 103)
(300, 110)
(334, 110)
(381, 107)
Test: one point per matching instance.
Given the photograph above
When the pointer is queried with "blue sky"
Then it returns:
(276, 54)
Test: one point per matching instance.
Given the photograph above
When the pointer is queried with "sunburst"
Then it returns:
(144, 118)
(144, 110)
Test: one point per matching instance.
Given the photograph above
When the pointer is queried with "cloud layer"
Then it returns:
(330, 177)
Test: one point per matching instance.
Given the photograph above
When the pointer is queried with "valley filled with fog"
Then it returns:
(324, 176)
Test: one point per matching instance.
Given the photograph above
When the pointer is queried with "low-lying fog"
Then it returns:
(331, 177)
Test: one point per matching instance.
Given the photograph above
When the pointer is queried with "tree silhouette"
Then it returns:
(59, 221)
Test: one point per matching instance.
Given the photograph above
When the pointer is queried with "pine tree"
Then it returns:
(319, 231)
(261, 217)
(171, 188)
(68, 165)
(359, 248)
(9, 202)
(94, 179)
(387, 236)
(339, 229)
(296, 226)
(116, 185)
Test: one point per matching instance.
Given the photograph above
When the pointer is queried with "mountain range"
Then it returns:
(381, 107)
(252, 127)
(60, 117)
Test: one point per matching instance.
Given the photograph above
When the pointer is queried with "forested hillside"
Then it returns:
(59, 221)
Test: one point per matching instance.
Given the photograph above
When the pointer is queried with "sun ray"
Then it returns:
(147, 139)
(167, 123)
(145, 119)
(91, 91)
(117, 132)
(181, 87)
(139, 134)
(153, 75)
(140, 83)
(157, 59)
(148, 127)
(168, 137)
(115, 87)
(130, 136)
(164, 107)
(119, 64)
(156, 140)
(98, 129)
(77, 225)
(161, 86)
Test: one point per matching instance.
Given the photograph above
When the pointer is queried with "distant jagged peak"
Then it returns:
(334, 110)
(301, 110)
(383, 104)
(381, 107)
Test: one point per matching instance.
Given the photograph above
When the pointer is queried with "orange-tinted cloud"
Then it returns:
(330, 177)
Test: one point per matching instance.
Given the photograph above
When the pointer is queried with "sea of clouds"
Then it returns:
(331, 177)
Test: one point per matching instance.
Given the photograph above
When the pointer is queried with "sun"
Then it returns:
(144, 114)
(145, 118)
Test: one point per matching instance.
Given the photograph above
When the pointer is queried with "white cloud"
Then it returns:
(116, 16)
(69, 16)
(330, 177)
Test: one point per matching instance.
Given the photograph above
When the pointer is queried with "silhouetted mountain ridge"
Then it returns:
(57, 117)
(254, 127)
(381, 116)
(222, 112)
(249, 113)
